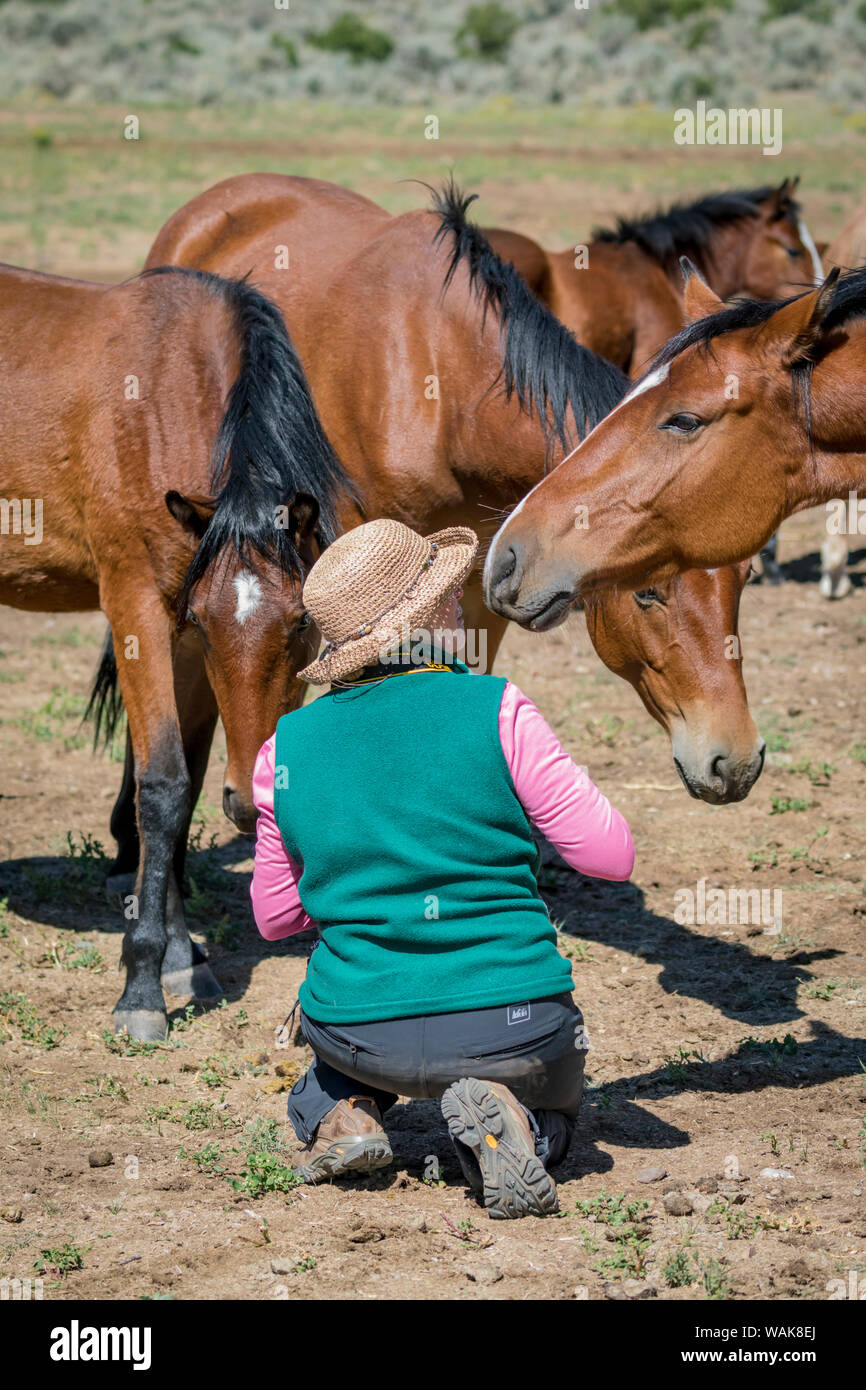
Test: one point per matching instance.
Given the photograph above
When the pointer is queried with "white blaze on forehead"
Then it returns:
(806, 238)
(249, 592)
(653, 378)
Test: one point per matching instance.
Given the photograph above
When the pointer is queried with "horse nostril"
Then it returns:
(718, 770)
(507, 573)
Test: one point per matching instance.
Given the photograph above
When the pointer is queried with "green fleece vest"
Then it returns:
(418, 859)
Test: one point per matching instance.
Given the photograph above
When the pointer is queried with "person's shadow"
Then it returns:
(67, 893)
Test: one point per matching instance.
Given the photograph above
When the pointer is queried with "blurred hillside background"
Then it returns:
(396, 51)
(561, 118)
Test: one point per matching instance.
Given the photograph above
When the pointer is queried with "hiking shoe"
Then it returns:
(350, 1139)
(485, 1120)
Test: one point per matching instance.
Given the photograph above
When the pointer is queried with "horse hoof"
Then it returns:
(119, 886)
(197, 981)
(834, 586)
(145, 1025)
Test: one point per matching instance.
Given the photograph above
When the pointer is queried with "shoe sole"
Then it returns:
(348, 1156)
(514, 1182)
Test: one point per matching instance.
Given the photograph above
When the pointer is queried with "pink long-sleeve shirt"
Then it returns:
(560, 799)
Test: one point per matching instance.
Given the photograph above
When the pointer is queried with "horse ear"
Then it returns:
(303, 518)
(700, 300)
(786, 191)
(193, 513)
(798, 325)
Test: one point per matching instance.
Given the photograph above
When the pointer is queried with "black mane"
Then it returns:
(270, 446)
(689, 229)
(543, 364)
(847, 302)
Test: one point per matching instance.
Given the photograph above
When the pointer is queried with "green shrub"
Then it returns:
(818, 10)
(648, 14)
(349, 34)
(489, 29)
(287, 48)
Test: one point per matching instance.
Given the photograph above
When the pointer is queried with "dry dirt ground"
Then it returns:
(717, 1051)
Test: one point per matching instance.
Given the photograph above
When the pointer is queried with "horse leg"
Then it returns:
(185, 968)
(163, 798)
(770, 568)
(834, 581)
(124, 828)
(198, 717)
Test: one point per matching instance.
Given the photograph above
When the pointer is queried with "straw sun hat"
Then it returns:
(375, 584)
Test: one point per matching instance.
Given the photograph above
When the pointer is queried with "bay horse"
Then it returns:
(753, 412)
(164, 434)
(847, 251)
(449, 388)
(625, 298)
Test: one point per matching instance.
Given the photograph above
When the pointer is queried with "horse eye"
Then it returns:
(682, 424)
(794, 253)
(191, 617)
(305, 622)
(645, 598)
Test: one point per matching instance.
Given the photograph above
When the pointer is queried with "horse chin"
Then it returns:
(552, 614)
(240, 812)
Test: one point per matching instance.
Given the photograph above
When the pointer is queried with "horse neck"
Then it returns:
(725, 254)
(835, 463)
(658, 308)
(499, 450)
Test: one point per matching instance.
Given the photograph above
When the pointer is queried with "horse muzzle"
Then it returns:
(719, 776)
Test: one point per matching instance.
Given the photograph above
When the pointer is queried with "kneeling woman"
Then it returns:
(395, 816)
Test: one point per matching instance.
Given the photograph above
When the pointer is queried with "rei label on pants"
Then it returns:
(518, 1013)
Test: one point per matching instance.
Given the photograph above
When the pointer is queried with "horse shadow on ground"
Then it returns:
(755, 989)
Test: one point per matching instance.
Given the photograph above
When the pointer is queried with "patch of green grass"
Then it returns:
(263, 1173)
(737, 1222)
(679, 1272)
(628, 1260)
(200, 1115)
(764, 858)
(574, 947)
(612, 1208)
(16, 1012)
(52, 720)
(185, 1021)
(108, 1085)
(772, 1050)
(821, 989)
(226, 933)
(819, 776)
(676, 1067)
(206, 1159)
(263, 1137)
(218, 1069)
(5, 919)
(72, 955)
(61, 1259)
(122, 1045)
(716, 1283)
(779, 805)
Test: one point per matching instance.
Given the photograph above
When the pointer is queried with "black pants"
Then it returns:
(537, 1049)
